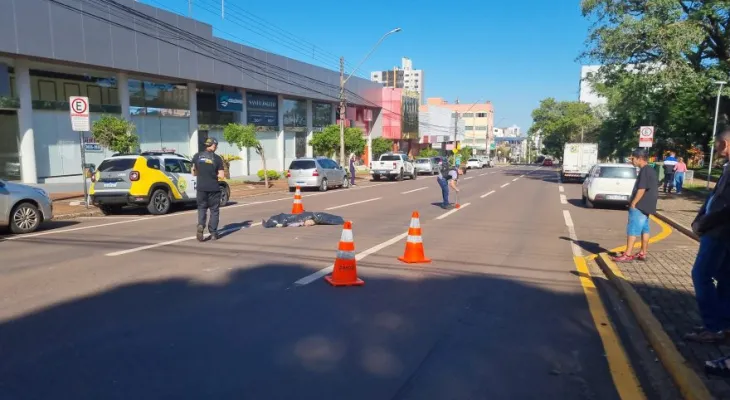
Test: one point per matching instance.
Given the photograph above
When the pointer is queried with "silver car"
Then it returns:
(23, 208)
(320, 172)
(427, 166)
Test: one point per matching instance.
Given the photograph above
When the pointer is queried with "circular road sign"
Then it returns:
(79, 106)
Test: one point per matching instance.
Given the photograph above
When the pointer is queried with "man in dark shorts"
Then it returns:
(208, 167)
(642, 204)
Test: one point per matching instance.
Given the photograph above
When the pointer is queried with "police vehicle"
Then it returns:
(155, 180)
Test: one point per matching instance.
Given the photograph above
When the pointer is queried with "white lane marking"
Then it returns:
(485, 195)
(563, 199)
(352, 204)
(414, 190)
(446, 214)
(561, 189)
(466, 179)
(167, 243)
(149, 218)
(483, 174)
(515, 180)
(522, 176)
(324, 271)
(505, 185)
(571, 232)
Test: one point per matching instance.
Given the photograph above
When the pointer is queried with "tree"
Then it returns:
(244, 137)
(327, 142)
(381, 145)
(659, 59)
(116, 134)
(562, 122)
(427, 153)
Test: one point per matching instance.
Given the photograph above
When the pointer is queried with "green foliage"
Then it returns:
(116, 134)
(244, 136)
(465, 153)
(381, 145)
(270, 174)
(327, 142)
(426, 153)
(659, 61)
(562, 122)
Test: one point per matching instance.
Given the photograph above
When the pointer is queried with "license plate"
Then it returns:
(110, 185)
(380, 172)
(616, 197)
(300, 182)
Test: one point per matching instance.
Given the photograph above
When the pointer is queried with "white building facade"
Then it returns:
(404, 77)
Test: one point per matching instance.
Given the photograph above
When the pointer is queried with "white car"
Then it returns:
(474, 163)
(609, 184)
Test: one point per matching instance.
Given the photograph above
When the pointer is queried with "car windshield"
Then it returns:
(117, 164)
(617, 172)
(390, 158)
(473, 159)
(423, 161)
(302, 164)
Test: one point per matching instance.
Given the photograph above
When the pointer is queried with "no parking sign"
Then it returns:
(646, 136)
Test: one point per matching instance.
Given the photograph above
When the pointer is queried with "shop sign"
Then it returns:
(91, 146)
(262, 109)
(229, 101)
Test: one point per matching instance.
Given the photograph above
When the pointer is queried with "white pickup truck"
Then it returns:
(393, 166)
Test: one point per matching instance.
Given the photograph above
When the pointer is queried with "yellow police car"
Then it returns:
(155, 180)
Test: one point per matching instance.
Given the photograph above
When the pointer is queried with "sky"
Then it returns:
(512, 53)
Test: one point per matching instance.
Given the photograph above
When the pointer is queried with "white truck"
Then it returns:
(393, 166)
(578, 158)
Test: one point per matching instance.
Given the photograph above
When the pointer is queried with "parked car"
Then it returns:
(474, 163)
(609, 184)
(393, 166)
(486, 162)
(547, 163)
(438, 160)
(23, 208)
(319, 172)
(426, 166)
(155, 180)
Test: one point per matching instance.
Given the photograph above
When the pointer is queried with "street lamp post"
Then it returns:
(343, 101)
(714, 130)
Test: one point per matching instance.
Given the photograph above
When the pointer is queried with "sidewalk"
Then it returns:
(664, 283)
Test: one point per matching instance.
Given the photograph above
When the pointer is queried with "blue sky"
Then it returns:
(513, 53)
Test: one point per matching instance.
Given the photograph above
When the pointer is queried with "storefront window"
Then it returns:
(322, 115)
(10, 100)
(51, 90)
(295, 129)
(9, 155)
(208, 115)
(156, 98)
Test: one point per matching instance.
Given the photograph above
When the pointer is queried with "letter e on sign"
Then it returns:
(79, 109)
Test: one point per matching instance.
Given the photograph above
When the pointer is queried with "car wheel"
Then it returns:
(225, 196)
(25, 218)
(323, 185)
(292, 189)
(376, 177)
(414, 176)
(110, 210)
(159, 202)
(583, 200)
(400, 175)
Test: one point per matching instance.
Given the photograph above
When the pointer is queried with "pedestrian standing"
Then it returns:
(712, 264)
(669, 165)
(448, 179)
(208, 168)
(642, 204)
(352, 170)
(679, 171)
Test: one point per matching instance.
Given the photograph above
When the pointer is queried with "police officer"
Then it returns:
(208, 167)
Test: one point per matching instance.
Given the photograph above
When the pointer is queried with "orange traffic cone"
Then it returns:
(345, 269)
(297, 207)
(457, 205)
(414, 244)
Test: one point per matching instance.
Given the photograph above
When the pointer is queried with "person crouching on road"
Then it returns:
(208, 168)
(642, 204)
(448, 178)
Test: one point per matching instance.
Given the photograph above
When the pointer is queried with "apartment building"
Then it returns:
(478, 121)
(405, 77)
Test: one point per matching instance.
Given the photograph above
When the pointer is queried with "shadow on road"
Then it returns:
(249, 334)
(233, 228)
(46, 226)
(590, 247)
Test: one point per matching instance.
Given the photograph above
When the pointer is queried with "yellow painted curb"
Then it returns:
(686, 379)
(663, 234)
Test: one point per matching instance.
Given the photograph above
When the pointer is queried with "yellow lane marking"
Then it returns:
(622, 373)
(663, 234)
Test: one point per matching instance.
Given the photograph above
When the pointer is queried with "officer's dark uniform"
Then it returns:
(207, 164)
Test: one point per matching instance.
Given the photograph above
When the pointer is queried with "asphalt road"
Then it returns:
(132, 307)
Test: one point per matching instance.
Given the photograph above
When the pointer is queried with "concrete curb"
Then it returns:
(689, 383)
(676, 225)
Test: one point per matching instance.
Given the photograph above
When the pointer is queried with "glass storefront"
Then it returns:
(160, 111)
(9, 153)
(321, 117)
(295, 130)
(262, 110)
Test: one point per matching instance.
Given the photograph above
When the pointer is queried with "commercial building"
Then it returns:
(166, 73)
(405, 77)
(478, 121)
(400, 119)
(438, 127)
